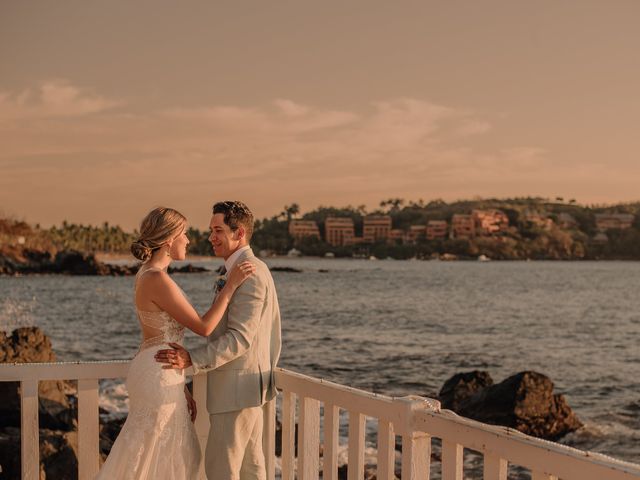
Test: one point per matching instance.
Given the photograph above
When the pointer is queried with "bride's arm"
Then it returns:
(164, 293)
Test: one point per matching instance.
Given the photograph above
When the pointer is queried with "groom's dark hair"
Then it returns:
(236, 214)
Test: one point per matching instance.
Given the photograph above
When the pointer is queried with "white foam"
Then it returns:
(114, 398)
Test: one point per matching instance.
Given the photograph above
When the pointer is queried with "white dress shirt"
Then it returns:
(233, 258)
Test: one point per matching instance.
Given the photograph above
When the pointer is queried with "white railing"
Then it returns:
(417, 420)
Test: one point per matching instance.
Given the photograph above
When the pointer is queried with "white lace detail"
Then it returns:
(172, 331)
(168, 330)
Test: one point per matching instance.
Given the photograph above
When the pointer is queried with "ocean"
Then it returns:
(399, 328)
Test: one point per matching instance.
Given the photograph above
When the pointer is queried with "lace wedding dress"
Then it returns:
(158, 440)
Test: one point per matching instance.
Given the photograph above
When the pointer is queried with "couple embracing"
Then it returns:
(242, 326)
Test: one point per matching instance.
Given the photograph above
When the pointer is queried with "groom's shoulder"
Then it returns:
(261, 267)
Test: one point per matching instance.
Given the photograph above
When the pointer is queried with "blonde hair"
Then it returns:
(160, 225)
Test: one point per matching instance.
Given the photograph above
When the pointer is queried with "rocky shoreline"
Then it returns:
(70, 262)
(524, 401)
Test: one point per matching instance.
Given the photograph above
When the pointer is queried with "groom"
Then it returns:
(240, 355)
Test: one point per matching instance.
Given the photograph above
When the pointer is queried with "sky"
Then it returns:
(108, 109)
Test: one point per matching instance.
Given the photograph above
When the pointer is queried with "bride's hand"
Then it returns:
(191, 405)
(239, 273)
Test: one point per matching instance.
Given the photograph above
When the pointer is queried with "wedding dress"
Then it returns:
(158, 440)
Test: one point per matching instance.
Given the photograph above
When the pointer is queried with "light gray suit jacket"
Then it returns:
(242, 352)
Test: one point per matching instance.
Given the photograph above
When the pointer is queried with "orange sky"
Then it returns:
(110, 108)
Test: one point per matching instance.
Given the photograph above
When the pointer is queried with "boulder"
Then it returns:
(109, 431)
(188, 268)
(77, 263)
(461, 387)
(524, 401)
(285, 269)
(58, 454)
(29, 345)
(369, 472)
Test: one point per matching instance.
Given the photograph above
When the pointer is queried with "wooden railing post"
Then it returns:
(288, 433)
(330, 448)
(29, 433)
(416, 444)
(88, 429)
(495, 468)
(269, 438)
(452, 460)
(355, 470)
(386, 451)
(309, 439)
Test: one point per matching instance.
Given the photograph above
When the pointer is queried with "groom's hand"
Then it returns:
(176, 357)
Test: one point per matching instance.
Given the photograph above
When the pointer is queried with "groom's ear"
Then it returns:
(241, 233)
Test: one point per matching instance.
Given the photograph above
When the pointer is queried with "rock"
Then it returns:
(70, 262)
(462, 386)
(109, 431)
(285, 269)
(524, 401)
(29, 345)
(187, 269)
(10, 452)
(58, 454)
(369, 472)
(76, 263)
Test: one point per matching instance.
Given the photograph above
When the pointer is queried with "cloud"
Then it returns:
(53, 98)
(284, 150)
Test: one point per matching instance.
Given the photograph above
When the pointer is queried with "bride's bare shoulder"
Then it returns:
(155, 279)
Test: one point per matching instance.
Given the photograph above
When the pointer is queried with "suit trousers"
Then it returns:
(234, 447)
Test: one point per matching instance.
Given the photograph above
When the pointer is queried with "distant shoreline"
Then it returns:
(119, 257)
(107, 257)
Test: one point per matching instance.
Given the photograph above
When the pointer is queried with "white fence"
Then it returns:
(417, 420)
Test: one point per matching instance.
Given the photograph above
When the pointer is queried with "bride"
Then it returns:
(158, 440)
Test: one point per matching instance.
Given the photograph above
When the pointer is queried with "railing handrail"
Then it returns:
(16, 372)
(407, 415)
(430, 419)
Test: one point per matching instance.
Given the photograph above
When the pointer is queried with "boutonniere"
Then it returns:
(220, 282)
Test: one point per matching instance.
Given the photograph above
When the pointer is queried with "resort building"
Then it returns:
(376, 228)
(436, 229)
(415, 233)
(339, 231)
(300, 229)
(613, 221)
(490, 222)
(396, 236)
(462, 226)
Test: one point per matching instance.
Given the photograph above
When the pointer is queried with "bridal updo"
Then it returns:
(159, 226)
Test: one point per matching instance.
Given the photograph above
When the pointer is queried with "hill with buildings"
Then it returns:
(499, 229)
(505, 229)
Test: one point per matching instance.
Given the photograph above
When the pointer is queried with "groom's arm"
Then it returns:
(243, 321)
